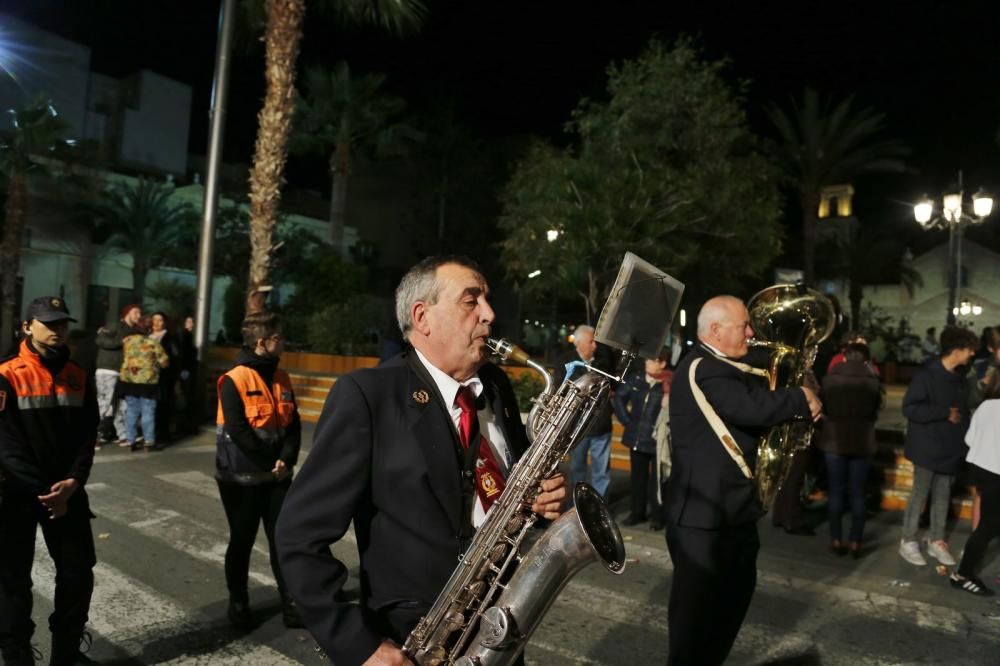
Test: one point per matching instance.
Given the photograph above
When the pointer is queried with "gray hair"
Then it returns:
(581, 329)
(715, 310)
(420, 284)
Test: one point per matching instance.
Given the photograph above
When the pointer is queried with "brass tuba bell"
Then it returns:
(790, 321)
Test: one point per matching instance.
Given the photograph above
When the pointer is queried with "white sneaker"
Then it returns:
(910, 551)
(940, 552)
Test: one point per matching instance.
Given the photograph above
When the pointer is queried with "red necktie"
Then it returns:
(490, 481)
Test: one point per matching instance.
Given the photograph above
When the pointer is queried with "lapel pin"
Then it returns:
(421, 396)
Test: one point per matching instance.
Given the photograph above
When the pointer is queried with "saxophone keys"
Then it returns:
(454, 620)
(434, 656)
(497, 628)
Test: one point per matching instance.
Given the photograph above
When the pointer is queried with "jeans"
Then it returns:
(847, 476)
(144, 408)
(599, 447)
(938, 486)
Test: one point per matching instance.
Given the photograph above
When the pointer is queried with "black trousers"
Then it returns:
(788, 511)
(70, 543)
(166, 406)
(643, 491)
(988, 485)
(246, 507)
(715, 573)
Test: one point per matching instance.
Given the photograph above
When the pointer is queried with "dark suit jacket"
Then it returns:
(388, 460)
(707, 489)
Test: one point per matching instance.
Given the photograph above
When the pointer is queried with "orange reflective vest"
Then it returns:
(50, 420)
(269, 409)
(36, 388)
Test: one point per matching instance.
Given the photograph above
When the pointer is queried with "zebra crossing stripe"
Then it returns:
(205, 485)
(151, 628)
(927, 615)
(188, 535)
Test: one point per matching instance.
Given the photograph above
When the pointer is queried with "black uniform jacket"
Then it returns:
(707, 490)
(385, 456)
(47, 434)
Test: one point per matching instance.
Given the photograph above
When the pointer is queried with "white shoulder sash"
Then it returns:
(721, 431)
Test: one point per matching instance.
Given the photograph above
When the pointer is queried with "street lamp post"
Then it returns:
(955, 217)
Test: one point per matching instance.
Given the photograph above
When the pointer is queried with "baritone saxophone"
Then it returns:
(502, 587)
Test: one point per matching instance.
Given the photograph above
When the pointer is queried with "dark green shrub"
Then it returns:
(526, 386)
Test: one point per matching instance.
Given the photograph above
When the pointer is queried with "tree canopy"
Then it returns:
(664, 167)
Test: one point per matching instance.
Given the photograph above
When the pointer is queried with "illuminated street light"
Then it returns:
(982, 204)
(534, 274)
(552, 234)
(955, 216)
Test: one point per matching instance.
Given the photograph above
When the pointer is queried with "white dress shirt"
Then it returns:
(489, 424)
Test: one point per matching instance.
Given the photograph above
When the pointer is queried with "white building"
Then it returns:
(140, 122)
(927, 307)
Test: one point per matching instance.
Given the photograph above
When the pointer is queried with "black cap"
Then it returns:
(48, 309)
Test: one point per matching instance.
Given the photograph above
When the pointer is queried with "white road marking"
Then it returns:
(204, 484)
(556, 650)
(105, 455)
(165, 515)
(150, 627)
(184, 533)
(875, 604)
(195, 481)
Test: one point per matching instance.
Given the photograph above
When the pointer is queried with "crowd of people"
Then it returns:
(414, 452)
(141, 365)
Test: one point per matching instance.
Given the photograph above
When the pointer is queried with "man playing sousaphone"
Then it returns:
(719, 408)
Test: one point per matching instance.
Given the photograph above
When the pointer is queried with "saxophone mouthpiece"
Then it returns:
(508, 351)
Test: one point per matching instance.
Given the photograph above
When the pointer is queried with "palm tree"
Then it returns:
(282, 34)
(141, 220)
(37, 129)
(343, 116)
(821, 144)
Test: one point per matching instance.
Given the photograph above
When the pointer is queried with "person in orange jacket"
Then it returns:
(48, 428)
(258, 435)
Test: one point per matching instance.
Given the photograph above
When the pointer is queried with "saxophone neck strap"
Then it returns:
(720, 429)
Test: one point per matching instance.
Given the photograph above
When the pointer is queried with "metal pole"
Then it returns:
(958, 265)
(220, 88)
(952, 273)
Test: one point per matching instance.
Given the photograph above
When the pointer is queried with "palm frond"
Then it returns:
(397, 17)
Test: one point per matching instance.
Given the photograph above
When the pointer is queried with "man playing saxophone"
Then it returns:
(391, 454)
(719, 408)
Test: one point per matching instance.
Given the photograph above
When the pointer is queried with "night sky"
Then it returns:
(520, 67)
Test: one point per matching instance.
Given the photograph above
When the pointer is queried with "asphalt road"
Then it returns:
(160, 594)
